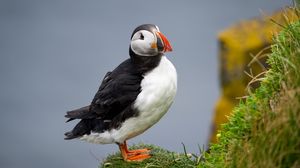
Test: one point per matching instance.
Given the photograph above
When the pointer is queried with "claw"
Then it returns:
(138, 158)
(138, 151)
(134, 155)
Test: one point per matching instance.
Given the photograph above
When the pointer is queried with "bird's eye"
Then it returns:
(142, 36)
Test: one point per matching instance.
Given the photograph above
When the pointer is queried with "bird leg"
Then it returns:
(133, 155)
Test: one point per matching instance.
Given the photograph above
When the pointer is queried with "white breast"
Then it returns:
(159, 88)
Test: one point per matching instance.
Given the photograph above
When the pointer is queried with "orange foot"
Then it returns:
(137, 158)
(133, 155)
(138, 151)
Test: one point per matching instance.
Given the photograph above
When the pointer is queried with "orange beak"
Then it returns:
(166, 44)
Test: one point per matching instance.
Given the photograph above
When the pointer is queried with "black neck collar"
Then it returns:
(144, 63)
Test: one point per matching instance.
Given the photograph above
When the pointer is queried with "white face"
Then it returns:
(143, 43)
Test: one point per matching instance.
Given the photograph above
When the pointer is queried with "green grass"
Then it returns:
(263, 130)
(161, 158)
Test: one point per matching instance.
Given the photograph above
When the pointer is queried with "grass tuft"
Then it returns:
(161, 158)
(264, 130)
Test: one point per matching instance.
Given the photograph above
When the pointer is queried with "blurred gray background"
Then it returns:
(54, 53)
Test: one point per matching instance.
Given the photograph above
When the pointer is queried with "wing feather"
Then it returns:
(117, 91)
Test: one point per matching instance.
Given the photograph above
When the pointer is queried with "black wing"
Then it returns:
(116, 93)
(118, 90)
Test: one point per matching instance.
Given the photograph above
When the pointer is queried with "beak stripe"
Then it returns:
(167, 45)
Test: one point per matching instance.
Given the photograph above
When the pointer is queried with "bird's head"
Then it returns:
(147, 40)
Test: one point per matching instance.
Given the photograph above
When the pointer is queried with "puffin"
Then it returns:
(132, 97)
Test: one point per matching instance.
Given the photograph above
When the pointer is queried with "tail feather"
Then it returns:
(70, 119)
(80, 113)
(85, 126)
(69, 135)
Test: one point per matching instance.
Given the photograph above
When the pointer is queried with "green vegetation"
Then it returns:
(161, 158)
(263, 131)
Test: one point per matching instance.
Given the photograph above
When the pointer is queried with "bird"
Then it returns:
(132, 97)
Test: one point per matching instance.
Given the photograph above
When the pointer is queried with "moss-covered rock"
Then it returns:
(264, 129)
(238, 44)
